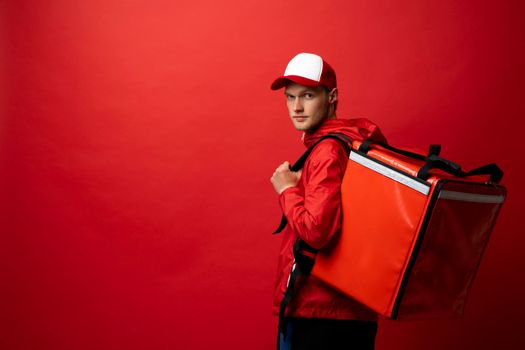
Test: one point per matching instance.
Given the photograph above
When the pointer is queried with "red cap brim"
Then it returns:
(282, 81)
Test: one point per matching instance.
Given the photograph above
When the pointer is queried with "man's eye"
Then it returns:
(289, 97)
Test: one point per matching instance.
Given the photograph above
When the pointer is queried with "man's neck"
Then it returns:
(311, 131)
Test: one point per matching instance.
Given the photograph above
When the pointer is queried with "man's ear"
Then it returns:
(332, 95)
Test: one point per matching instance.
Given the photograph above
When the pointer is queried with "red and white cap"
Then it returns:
(309, 70)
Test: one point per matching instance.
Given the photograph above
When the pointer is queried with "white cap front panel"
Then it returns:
(305, 65)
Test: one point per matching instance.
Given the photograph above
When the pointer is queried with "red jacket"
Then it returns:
(313, 211)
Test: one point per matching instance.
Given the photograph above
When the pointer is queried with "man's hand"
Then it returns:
(283, 177)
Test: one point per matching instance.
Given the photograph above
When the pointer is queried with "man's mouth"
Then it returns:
(299, 118)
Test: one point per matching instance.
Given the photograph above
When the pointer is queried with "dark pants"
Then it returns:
(327, 334)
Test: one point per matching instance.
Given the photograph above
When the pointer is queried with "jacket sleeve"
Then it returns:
(314, 213)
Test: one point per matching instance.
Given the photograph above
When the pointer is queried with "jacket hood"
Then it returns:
(355, 129)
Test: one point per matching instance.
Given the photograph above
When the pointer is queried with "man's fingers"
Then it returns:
(283, 167)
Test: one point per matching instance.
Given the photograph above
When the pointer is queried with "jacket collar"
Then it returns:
(355, 129)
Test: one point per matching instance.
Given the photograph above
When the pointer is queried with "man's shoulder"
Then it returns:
(327, 151)
(329, 147)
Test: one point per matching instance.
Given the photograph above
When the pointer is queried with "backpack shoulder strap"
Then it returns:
(304, 255)
(299, 164)
(345, 141)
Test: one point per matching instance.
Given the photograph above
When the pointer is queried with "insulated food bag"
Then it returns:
(413, 233)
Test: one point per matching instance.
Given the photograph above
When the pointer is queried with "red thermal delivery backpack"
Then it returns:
(414, 230)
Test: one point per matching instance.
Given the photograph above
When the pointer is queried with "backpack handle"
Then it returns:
(432, 150)
(434, 162)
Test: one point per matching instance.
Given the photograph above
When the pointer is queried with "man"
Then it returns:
(317, 316)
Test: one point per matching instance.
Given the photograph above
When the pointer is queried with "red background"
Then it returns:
(138, 137)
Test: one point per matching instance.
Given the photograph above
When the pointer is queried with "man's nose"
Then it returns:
(297, 104)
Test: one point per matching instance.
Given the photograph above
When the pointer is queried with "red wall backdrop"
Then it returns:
(138, 137)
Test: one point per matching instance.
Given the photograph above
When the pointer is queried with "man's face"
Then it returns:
(308, 106)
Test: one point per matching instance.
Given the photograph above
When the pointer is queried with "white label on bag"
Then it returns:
(390, 173)
(471, 197)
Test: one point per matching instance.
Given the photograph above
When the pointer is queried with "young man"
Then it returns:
(317, 316)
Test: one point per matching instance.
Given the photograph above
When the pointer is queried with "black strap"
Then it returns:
(304, 255)
(432, 150)
(304, 258)
(347, 142)
(299, 164)
(495, 172)
(435, 162)
(290, 289)
(282, 225)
